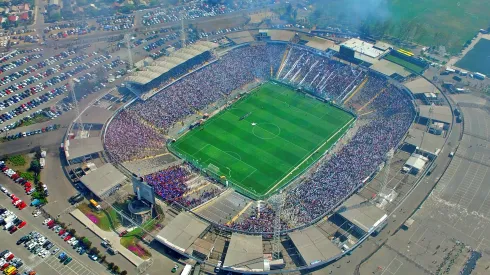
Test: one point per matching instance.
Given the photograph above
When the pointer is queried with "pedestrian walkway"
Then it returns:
(113, 238)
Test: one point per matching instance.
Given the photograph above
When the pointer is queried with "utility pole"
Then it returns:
(78, 120)
(127, 38)
(278, 200)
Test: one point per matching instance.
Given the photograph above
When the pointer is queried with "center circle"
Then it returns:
(266, 130)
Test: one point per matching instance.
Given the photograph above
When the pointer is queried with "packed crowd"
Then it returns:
(128, 138)
(209, 84)
(330, 182)
(169, 184)
(336, 179)
(320, 74)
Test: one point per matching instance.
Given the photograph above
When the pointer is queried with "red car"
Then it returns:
(15, 176)
(67, 238)
(28, 189)
(28, 184)
(13, 230)
(22, 205)
(22, 224)
(10, 257)
(14, 198)
(50, 223)
(62, 231)
(5, 265)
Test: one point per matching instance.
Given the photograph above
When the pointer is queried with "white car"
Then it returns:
(55, 251)
(46, 221)
(36, 213)
(3, 189)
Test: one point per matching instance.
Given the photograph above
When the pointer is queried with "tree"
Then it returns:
(94, 250)
(72, 231)
(110, 265)
(115, 268)
(102, 259)
(124, 272)
(35, 167)
(87, 242)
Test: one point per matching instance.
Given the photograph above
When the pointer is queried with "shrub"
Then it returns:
(17, 160)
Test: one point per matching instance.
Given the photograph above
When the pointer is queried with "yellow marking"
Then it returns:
(366, 113)
(195, 189)
(357, 90)
(240, 213)
(308, 157)
(150, 157)
(371, 100)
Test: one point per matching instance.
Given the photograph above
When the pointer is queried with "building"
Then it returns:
(313, 246)
(415, 164)
(82, 149)
(425, 143)
(104, 180)
(358, 216)
(435, 113)
(362, 47)
(245, 253)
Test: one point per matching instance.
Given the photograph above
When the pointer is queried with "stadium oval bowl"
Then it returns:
(284, 231)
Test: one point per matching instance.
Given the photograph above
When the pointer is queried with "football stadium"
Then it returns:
(258, 140)
(261, 119)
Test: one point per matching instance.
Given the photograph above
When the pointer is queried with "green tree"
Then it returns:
(102, 259)
(115, 268)
(110, 265)
(35, 167)
(72, 232)
(124, 272)
(87, 242)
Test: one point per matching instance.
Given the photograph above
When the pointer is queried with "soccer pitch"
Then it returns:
(266, 138)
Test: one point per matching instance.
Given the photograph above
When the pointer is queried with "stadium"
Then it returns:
(287, 131)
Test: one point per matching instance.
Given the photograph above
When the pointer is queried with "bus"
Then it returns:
(187, 270)
(95, 204)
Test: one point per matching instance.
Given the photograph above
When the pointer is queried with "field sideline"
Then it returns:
(265, 139)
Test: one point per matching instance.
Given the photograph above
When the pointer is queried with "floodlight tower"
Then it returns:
(127, 38)
(78, 120)
(183, 29)
(278, 200)
(389, 157)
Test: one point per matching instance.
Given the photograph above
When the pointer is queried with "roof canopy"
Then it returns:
(167, 63)
(245, 253)
(102, 179)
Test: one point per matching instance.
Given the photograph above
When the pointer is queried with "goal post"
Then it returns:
(213, 169)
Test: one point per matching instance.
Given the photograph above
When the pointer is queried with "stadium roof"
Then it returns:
(103, 179)
(281, 35)
(240, 37)
(389, 68)
(316, 42)
(438, 113)
(165, 64)
(425, 141)
(96, 115)
(245, 253)
(363, 47)
(421, 86)
(182, 231)
(78, 148)
(313, 245)
(363, 216)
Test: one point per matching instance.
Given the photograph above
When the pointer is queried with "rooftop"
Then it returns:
(421, 86)
(245, 253)
(363, 47)
(425, 141)
(439, 113)
(81, 147)
(365, 217)
(313, 245)
(389, 68)
(167, 63)
(416, 161)
(240, 37)
(182, 231)
(102, 179)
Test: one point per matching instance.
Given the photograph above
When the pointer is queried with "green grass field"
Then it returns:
(404, 63)
(292, 131)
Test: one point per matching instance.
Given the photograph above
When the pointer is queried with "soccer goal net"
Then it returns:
(213, 169)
